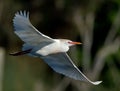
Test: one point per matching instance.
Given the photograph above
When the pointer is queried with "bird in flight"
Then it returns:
(52, 51)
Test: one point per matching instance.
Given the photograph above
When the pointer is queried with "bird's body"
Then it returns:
(52, 51)
(53, 48)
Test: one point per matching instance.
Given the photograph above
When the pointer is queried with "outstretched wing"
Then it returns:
(61, 63)
(26, 31)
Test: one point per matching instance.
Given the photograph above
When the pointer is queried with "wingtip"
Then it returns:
(96, 83)
(22, 13)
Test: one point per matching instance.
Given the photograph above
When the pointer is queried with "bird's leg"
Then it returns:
(21, 52)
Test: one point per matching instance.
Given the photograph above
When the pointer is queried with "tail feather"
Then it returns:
(21, 52)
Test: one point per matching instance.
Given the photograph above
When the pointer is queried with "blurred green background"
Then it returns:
(95, 23)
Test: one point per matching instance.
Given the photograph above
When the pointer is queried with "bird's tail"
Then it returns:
(21, 52)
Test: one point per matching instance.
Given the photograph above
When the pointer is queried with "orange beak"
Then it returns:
(75, 43)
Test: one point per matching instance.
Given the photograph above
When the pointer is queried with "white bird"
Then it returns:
(52, 51)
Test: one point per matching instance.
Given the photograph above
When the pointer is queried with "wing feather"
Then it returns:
(62, 63)
(26, 31)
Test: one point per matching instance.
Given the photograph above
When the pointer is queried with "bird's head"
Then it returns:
(70, 43)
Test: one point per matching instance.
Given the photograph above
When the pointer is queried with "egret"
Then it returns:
(52, 51)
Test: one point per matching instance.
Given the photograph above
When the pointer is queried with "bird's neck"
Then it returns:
(62, 46)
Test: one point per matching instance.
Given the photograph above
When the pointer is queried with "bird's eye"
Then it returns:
(69, 42)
